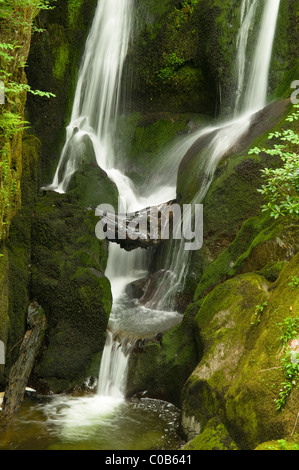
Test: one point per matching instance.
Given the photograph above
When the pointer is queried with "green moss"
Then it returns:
(4, 302)
(258, 240)
(272, 270)
(223, 266)
(169, 72)
(15, 269)
(280, 444)
(285, 64)
(74, 7)
(90, 186)
(213, 437)
(239, 375)
(16, 30)
(143, 139)
(61, 61)
(68, 264)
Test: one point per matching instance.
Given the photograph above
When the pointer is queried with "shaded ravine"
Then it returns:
(94, 118)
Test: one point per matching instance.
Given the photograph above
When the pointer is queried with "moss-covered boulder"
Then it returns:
(67, 278)
(240, 373)
(90, 185)
(262, 245)
(280, 444)
(214, 437)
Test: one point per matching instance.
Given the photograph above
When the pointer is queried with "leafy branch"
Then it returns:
(281, 188)
(290, 360)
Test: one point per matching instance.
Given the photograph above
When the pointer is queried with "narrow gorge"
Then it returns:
(149, 215)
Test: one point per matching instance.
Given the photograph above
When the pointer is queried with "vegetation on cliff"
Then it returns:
(16, 20)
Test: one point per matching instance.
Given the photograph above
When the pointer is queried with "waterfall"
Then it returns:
(246, 19)
(229, 133)
(256, 92)
(114, 367)
(98, 89)
(94, 118)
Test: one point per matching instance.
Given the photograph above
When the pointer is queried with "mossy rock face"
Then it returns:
(164, 58)
(68, 265)
(262, 246)
(214, 437)
(280, 444)
(4, 304)
(239, 376)
(13, 111)
(285, 62)
(53, 64)
(15, 264)
(176, 41)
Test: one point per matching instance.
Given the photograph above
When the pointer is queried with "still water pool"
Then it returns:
(92, 422)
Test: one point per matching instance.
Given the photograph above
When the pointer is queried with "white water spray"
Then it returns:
(257, 88)
(246, 20)
(114, 368)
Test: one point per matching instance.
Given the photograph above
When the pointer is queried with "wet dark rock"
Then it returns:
(135, 289)
(142, 229)
(67, 277)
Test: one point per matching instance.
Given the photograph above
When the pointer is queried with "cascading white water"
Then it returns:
(98, 90)
(255, 97)
(114, 368)
(257, 87)
(246, 19)
(93, 117)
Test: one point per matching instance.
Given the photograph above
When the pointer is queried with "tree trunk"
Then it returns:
(22, 368)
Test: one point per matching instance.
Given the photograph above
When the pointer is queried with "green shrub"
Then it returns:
(281, 188)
